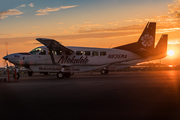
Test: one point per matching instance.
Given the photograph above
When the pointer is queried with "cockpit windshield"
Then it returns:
(35, 50)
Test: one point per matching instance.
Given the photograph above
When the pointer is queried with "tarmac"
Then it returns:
(140, 95)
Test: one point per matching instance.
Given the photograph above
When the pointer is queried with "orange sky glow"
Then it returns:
(81, 25)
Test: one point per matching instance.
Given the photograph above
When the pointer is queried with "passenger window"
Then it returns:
(49, 52)
(68, 52)
(57, 52)
(79, 52)
(87, 53)
(43, 52)
(102, 53)
(95, 53)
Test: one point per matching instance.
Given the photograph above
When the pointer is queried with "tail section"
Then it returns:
(161, 47)
(147, 38)
(145, 44)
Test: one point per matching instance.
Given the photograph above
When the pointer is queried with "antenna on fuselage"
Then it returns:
(110, 46)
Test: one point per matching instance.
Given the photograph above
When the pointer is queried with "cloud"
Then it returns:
(87, 22)
(11, 35)
(174, 41)
(84, 26)
(17, 39)
(48, 9)
(18, 16)
(118, 29)
(174, 9)
(24, 5)
(32, 33)
(3, 17)
(42, 14)
(65, 31)
(31, 5)
(5, 14)
(114, 23)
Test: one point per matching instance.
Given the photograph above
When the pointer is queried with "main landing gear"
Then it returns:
(61, 75)
(30, 73)
(103, 71)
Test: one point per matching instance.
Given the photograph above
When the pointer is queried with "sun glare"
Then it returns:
(170, 52)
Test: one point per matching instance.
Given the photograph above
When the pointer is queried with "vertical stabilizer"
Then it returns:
(161, 47)
(145, 44)
(147, 38)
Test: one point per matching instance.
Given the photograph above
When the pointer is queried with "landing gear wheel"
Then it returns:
(30, 73)
(67, 75)
(107, 71)
(60, 75)
(46, 73)
(17, 76)
(103, 71)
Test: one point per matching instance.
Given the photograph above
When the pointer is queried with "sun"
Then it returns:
(170, 52)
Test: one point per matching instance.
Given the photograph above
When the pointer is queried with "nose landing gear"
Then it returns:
(16, 74)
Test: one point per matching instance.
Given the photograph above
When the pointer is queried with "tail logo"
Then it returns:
(147, 40)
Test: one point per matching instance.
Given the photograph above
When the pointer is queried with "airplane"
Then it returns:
(54, 57)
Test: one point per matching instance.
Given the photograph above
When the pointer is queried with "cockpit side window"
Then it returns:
(34, 51)
(43, 52)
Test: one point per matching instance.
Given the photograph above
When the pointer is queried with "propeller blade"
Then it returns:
(6, 48)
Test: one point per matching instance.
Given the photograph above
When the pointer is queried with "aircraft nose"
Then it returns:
(5, 57)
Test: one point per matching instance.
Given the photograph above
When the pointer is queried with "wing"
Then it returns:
(53, 45)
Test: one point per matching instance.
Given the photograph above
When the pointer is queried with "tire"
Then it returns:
(30, 73)
(107, 71)
(4, 80)
(67, 75)
(17, 76)
(60, 75)
(103, 71)
(46, 73)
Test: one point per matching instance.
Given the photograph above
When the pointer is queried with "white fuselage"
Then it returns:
(82, 59)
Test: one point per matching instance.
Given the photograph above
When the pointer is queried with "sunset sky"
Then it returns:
(91, 23)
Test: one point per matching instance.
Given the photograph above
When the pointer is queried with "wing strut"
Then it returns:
(51, 54)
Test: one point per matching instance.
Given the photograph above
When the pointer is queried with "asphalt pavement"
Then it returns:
(140, 95)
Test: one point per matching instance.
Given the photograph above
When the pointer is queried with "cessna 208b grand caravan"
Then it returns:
(54, 57)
